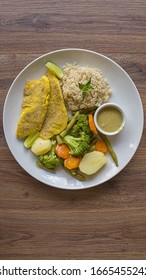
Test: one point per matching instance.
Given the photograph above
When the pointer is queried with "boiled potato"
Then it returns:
(92, 162)
(41, 146)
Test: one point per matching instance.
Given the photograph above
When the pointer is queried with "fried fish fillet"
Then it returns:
(34, 107)
(56, 118)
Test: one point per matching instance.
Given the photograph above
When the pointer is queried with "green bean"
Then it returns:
(75, 174)
(70, 125)
(92, 144)
(79, 172)
(110, 149)
(94, 140)
(59, 139)
(52, 170)
(87, 110)
(92, 148)
(69, 119)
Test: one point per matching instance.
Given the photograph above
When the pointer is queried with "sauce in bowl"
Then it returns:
(109, 119)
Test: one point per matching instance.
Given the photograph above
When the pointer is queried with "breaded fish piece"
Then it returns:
(56, 118)
(34, 107)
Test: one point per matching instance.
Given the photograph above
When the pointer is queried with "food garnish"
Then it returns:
(85, 88)
(55, 69)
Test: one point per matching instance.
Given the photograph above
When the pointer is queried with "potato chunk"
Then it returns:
(41, 146)
(92, 162)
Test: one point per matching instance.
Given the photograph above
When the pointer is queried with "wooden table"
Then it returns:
(42, 222)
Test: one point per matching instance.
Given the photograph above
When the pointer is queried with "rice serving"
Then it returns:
(73, 95)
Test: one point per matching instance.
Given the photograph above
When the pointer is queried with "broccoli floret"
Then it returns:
(81, 126)
(80, 136)
(50, 160)
(78, 145)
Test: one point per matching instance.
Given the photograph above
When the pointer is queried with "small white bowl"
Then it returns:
(106, 105)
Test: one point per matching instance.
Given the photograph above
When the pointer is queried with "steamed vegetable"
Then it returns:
(30, 139)
(76, 173)
(50, 160)
(91, 124)
(81, 126)
(100, 146)
(90, 110)
(62, 151)
(59, 139)
(70, 125)
(41, 146)
(52, 170)
(80, 136)
(92, 162)
(109, 148)
(72, 162)
(78, 145)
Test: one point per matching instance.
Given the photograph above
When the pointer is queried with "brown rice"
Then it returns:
(73, 75)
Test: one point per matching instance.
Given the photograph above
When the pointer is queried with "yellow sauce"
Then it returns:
(109, 119)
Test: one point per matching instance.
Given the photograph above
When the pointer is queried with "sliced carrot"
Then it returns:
(91, 124)
(72, 162)
(62, 151)
(100, 146)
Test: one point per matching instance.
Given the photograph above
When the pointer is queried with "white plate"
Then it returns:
(124, 93)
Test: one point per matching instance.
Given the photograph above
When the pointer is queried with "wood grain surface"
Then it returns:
(41, 222)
